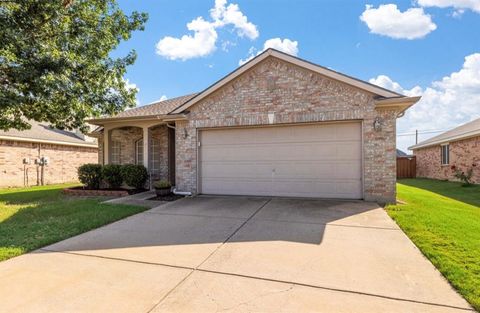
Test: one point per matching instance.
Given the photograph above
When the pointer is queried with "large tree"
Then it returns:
(56, 64)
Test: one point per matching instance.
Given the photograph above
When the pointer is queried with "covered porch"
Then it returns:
(147, 143)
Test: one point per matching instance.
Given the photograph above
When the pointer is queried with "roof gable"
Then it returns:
(378, 91)
(471, 129)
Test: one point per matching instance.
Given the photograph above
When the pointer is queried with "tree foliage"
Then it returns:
(56, 64)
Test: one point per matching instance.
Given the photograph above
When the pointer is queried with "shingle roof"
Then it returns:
(157, 108)
(42, 132)
(458, 133)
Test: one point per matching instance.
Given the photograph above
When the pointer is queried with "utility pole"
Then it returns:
(416, 136)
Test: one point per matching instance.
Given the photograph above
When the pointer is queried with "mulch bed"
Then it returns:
(103, 192)
(170, 197)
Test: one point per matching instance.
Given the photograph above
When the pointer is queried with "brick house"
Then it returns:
(459, 147)
(276, 126)
(22, 155)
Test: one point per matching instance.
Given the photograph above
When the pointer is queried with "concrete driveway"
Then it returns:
(209, 254)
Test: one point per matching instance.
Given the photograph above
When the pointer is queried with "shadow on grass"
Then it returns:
(452, 190)
(17, 196)
(33, 218)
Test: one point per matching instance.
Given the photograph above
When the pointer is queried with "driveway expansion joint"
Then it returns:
(208, 257)
(194, 269)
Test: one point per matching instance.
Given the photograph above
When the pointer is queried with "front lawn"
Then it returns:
(443, 220)
(31, 218)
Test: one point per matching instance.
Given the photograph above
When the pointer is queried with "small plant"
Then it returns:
(90, 175)
(464, 177)
(134, 175)
(162, 184)
(162, 187)
(112, 173)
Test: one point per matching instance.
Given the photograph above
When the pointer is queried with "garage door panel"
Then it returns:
(237, 170)
(318, 189)
(322, 160)
(236, 187)
(348, 131)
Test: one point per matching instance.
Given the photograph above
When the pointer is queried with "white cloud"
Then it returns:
(445, 104)
(204, 38)
(163, 98)
(388, 20)
(286, 45)
(200, 44)
(130, 85)
(231, 14)
(386, 82)
(458, 5)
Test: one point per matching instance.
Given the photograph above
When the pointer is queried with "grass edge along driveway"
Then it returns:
(443, 220)
(34, 217)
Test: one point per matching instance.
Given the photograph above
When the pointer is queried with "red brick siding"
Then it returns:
(127, 136)
(62, 167)
(463, 154)
(296, 95)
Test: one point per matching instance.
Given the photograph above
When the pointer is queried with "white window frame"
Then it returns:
(445, 154)
(115, 153)
(139, 152)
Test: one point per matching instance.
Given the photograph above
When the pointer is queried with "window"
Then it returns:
(115, 152)
(139, 152)
(154, 155)
(445, 154)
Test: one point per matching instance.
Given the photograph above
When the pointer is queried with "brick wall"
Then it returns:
(463, 154)
(64, 161)
(127, 136)
(296, 95)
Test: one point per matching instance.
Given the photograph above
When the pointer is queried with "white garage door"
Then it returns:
(321, 160)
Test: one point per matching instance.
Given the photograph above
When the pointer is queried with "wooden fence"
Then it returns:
(406, 167)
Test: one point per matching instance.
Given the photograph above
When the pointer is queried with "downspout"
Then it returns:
(175, 192)
(181, 193)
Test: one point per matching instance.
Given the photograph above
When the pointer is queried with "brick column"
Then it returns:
(146, 137)
(106, 146)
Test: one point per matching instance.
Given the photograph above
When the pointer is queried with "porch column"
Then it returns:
(146, 136)
(106, 146)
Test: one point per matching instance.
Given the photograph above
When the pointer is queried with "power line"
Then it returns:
(423, 132)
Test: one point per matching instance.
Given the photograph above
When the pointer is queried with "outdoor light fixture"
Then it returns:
(185, 133)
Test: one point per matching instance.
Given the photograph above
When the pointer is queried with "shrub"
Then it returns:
(134, 175)
(464, 177)
(112, 173)
(162, 184)
(90, 175)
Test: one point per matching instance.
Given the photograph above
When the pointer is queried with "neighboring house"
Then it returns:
(276, 126)
(459, 147)
(400, 153)
(43, 155)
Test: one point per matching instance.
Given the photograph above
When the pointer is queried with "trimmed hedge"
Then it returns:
(90, 175)
(135, 175)
(112, 174)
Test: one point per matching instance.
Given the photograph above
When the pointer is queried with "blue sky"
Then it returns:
(418, 48)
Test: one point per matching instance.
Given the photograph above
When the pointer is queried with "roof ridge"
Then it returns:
(450, 134)
(160, 101)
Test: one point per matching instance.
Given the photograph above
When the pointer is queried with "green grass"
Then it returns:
(31, 218)
(443, 219)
